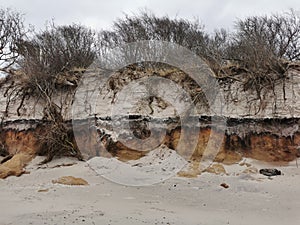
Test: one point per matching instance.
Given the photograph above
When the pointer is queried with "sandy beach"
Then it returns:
(250, 198)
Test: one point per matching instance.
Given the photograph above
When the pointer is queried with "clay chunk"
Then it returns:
(70, 180)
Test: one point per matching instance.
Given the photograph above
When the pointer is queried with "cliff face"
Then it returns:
(20, 136)
(265, 129)
(280, 101)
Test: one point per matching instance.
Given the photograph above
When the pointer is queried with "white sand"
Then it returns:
(250, 199)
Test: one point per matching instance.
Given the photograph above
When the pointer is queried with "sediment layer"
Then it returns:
(270, 140)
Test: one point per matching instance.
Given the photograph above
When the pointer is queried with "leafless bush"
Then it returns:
(263, 47)
(217, 51)
(12, 31)
(274, 37)
(58, 49)
(147, 26)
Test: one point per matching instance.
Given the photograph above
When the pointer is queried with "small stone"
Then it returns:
(43, 190)
(224, 185)
(270, 172)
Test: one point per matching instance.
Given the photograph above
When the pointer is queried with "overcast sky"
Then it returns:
(100, 14)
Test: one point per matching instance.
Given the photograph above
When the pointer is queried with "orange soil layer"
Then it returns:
(265, 147)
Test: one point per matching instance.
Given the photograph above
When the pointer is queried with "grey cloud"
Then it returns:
(101, 14)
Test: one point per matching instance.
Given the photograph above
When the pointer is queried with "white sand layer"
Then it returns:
(250, 198)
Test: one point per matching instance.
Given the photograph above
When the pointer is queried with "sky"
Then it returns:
(100, 14)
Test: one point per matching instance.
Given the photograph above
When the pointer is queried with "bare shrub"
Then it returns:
(147, 26)
(58, 49)
(263, 47)
(217, 51)
(12, 31)
(263, 41)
